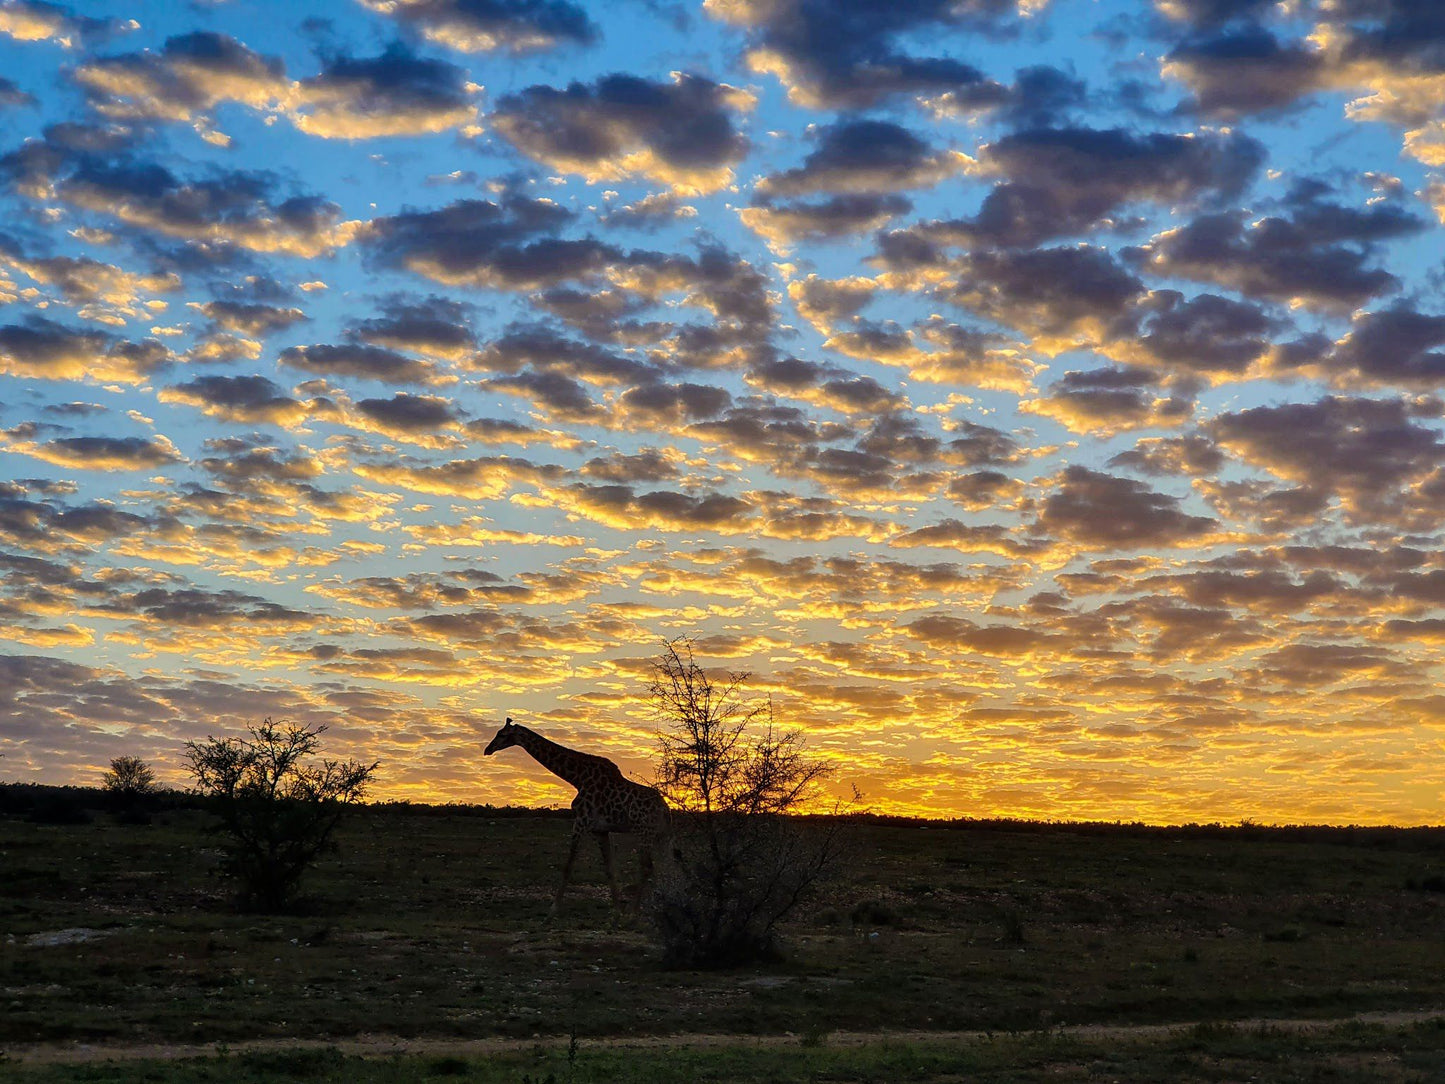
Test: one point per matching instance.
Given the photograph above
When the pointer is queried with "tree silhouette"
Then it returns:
(277, 806)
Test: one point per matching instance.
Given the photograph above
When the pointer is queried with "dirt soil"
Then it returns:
(389, 1046)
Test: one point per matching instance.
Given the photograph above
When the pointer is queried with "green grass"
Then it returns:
(1209, 1053)
(434, 925)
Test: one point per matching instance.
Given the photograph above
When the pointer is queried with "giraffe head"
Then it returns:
(505, 739)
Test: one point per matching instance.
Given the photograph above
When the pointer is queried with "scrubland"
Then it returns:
(960, 950)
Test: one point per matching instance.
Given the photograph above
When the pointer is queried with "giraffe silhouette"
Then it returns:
(606, 802)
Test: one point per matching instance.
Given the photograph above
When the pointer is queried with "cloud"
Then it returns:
(1320, 257)
(680, 133)
(1105, 401)
(435, 326)
(249, 317)
(1063, 181)
(239, 399)
(394, 93)
(11, 96)
(786, 224)
(1060, 297)
(1212, 336)
(46, 350)
(1369, 451)
(846, 54)
(1246, 70)
(509, 244)
(1095, 510)
(484, 26)
(864, 156)
(409, 416)
(229, 207)
(101, 453)
(35, 20)
(358, 360)
(1397, 346)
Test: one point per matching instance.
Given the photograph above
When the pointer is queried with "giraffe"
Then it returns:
(606, 802)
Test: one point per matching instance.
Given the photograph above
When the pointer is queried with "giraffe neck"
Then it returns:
(566, 764)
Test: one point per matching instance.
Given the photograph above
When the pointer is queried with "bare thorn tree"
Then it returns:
(743, 865)
(278, 808)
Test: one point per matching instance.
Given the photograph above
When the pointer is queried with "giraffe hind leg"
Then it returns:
(567, 867)
(604, 841)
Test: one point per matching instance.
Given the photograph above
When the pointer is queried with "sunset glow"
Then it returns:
(1041, 400)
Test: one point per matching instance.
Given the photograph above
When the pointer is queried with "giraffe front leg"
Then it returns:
(604, 841)
(567, 869)
(645, 873)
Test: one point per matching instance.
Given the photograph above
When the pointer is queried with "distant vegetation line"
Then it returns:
(46, 802)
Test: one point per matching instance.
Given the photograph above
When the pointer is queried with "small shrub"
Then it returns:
(448, 1066)
(874, 913)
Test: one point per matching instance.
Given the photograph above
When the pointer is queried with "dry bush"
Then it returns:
(741, 864)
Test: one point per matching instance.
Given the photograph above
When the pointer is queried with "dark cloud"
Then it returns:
(104, 453)
(408, 413)
(194, 607)
(225, 207)
(560, 396)
(669, 404)
(1206, 334)
(251, 317)
(12, 96)
(509, 244)
(622, 506)
(789, 223)
(395, 93)
(43, 349)
(538, 347)
(1393, 346)
(190, 75)
(681, 132)
(1193, 455)
(1048, 292)
(1208, 13)
(1246, 70)
(846, 54)
(1063, 181)
(358, 360)
(863, 156)
(1319, 256)
(481, 26)
(950, 633)
(651, 212)
(436, 326)
(1367, 450)
(1103, 511)
(238, 398)
(1107, 400)
(648, 465)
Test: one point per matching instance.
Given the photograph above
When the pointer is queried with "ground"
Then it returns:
(1005, 951)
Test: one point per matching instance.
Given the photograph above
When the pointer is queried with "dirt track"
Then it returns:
(387, 1046)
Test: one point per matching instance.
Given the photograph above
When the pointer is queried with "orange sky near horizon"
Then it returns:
(1040, 399)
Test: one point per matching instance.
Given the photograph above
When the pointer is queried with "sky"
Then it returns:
(1039, 399)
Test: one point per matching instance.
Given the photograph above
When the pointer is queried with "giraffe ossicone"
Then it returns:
(606, 802)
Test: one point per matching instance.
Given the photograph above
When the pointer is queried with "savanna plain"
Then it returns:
(943, 951)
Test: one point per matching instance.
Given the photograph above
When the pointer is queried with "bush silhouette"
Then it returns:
(741, 863)
(277, 805)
